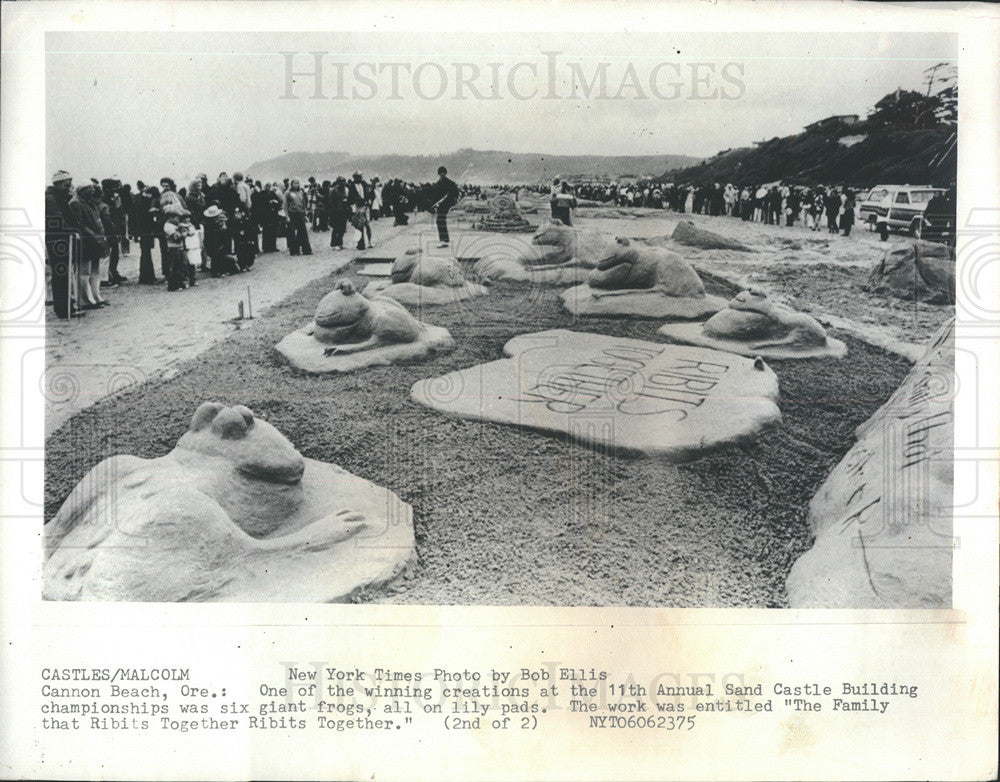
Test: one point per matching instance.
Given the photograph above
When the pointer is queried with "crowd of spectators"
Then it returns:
(818, 208)
(216, 230)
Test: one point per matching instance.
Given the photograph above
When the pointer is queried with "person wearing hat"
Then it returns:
(219, 243)
(443, 196)
(62, 242)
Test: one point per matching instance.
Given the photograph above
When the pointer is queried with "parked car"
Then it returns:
(897, 208)
(868, 205)
(939, 219)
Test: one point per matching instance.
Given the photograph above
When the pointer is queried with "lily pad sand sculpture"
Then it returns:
(623, 396)
(754, 325)
(418, 280)
(643, 282)
(351, 331)
(232, 513)
(557, 255)
(883, 519)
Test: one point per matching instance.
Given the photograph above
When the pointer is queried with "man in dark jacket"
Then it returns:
(110, 209)
(339, 213)
(832, 205)
(443, 196)
(144, 228)
(265, 207)
(223, 195)
(61, 242)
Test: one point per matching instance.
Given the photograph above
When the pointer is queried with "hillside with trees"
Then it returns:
(908, 137)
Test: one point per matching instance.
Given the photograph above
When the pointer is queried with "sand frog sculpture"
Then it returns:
(348, 322)
(558, 246)
(232, 512)
(427, 270)
(417, 280)
(636, 269)
(762, 323)
(558, 255)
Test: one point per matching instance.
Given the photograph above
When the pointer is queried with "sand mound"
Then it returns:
(916, 270)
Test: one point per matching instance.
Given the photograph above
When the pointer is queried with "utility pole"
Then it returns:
(931, 73)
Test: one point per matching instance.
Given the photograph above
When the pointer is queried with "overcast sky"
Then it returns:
(148, 105)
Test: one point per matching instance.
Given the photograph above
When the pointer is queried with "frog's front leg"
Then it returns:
(337, 350)
(625, 292)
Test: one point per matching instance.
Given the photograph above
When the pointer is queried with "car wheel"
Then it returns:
(915, 229)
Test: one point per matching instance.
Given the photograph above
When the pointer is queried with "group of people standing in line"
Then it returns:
(773, 204)
(218, 229)
(817, 208)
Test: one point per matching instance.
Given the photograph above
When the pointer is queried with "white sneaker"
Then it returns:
(443, 244)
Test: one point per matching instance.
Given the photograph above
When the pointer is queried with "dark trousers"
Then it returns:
(113, 258)
(223, 263)
(560, 213)
(269, 237)
(442, 225)
(298, 235)
(338, 226)
(126, 246)
(245, 254)
(164, 260)
(147, 275)
(58, 256)
(176, 268)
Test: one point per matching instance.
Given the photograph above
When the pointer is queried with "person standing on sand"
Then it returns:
(443, 196)
(832, 206)
(295, 204)
(359, 199)
(94, 243)
(339, 212)
(563, 204)
(846, 212)
(62, 243)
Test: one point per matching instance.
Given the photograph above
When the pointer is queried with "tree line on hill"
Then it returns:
(908, 137)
